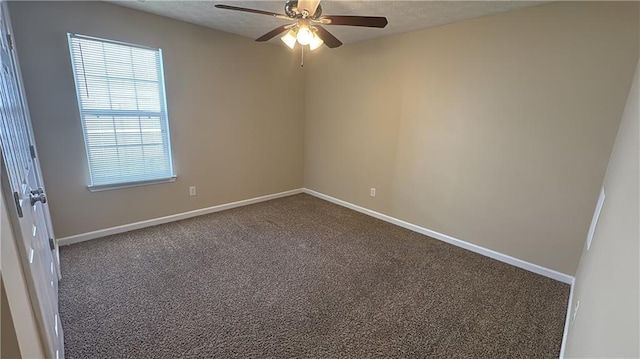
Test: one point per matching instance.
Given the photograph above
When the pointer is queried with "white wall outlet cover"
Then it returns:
(596, 216)
(192, 190)
(373, 192)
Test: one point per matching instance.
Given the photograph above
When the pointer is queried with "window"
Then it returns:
(121, 98)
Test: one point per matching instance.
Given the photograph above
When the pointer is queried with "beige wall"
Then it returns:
(608, 279)
(496, 131)
(235, 113)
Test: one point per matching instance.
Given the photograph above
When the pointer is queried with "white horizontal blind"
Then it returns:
(122, 105)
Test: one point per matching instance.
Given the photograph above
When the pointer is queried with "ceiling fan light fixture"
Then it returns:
(316, 42)
(304, 13)
(305, 35)
(289, 39)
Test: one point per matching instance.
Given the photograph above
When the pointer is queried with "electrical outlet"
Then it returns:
(575, 311)
(373, 192)
(192, 190)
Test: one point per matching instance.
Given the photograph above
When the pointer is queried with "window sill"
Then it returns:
(108, 187)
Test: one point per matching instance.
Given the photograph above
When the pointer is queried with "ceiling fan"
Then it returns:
(306, 28)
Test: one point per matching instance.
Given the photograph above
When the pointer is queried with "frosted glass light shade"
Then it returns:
(289, 39)
(304, 35)
(316, 42)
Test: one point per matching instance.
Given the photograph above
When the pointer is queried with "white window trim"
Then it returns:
(163, 99)
(108, 187)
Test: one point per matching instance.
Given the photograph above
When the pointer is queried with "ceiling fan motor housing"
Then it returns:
(291, 9)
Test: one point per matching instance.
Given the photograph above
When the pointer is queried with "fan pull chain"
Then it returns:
(302, 56)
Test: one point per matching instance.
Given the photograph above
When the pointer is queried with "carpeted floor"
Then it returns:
(299, 277)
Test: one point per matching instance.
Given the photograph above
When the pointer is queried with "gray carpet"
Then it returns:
(299, 277)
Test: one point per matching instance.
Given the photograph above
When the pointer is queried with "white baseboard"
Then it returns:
(565, 278)
(567, 322)
(174, 217)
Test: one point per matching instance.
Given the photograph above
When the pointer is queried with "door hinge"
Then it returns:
(33, 151)
(52, 243)
(10, 41)
(16, 198)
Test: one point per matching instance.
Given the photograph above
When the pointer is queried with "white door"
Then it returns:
(22, 185)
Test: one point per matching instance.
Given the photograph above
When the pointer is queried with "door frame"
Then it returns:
(27, 286)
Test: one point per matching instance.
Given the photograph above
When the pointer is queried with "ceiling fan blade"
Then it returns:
(329, 40)
(253, 11)
(309, 5)
(366, 21)
(271, 34)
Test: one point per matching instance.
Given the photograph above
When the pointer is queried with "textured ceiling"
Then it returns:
(403, 16)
